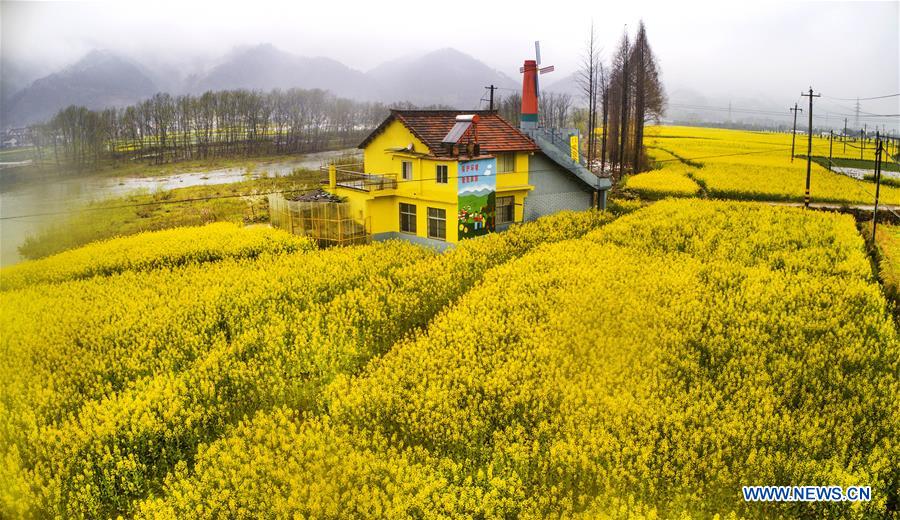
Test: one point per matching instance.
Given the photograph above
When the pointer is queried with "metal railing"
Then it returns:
(362, 181)
(559, 138)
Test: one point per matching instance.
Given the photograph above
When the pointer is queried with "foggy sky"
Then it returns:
(720, 49)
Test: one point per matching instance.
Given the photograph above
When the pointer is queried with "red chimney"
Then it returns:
(529, 95)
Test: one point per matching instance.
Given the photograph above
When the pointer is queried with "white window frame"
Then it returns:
(406, 172)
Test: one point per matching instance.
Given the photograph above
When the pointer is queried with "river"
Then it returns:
(24, 199)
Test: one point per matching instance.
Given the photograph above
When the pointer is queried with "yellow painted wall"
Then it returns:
(359, 204)
(385, 212)
(380, 161)
(520, 196)
(517, 179)
(422, 216)
(382, 209)
(516, 183)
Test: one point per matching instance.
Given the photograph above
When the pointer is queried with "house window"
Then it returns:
(407, 218)
(440, 176)
(506, 162)
(506, 210)
(437, 223)
(406, 169)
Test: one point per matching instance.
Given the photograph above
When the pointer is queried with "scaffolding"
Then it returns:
(328, 223)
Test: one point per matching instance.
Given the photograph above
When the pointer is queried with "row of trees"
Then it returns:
(622, 96)
(557, 110)
(231, 123)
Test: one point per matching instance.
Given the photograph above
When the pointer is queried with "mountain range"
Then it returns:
(98, 80)
(445, 77)
(105, 79)
(688, 105)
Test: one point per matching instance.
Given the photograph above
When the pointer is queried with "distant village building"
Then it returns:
(17, 137)
(440, 176)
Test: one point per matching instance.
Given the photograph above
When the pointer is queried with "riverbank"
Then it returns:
(48, 171)
(45, 215)
(238, 202)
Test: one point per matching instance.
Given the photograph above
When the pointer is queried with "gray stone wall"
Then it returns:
(555, 189)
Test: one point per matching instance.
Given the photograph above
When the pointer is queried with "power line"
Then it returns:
(775, 113)
(859, 186)
(726, 109)
(683, 159)
(863, 99)
(863, 112)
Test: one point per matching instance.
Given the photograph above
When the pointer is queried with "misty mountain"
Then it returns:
(445, 76)
(264, 67)
(16, 75)
(688, 105)
(101, 79)
(691, 106)
(565, 85)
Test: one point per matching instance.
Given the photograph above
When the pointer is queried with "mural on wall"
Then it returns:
(476, 197)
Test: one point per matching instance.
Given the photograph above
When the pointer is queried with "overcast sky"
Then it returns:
(732, 49)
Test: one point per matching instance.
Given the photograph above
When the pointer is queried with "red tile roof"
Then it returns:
(495, 134)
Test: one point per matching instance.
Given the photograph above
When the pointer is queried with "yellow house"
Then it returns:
(423, 182)
(440, 176)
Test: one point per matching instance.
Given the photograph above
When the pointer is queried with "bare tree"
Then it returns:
(555, 108)
(562, 105)
(588, 80)
(214, 124)
(604, 102)
(624, 85)
(510, 108)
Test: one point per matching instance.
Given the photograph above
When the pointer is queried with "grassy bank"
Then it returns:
(15, 154)
(240, 202)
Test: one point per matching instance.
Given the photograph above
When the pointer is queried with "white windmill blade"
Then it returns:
(537, 52)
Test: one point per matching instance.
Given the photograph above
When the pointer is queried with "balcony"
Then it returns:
(347, 177)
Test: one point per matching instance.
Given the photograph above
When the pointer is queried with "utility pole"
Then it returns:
(492, 88)
(862, 145)
(844, 137)
(878, 152)
(830, 147)
(794, 131)
(809, 145)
